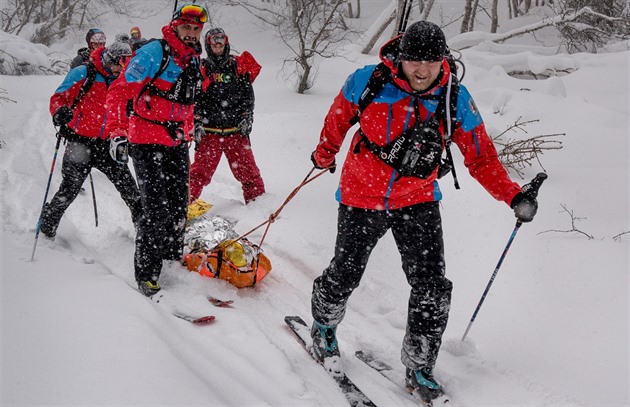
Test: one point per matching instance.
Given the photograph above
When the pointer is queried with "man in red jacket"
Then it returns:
(374, 197)
(80, 113)
(225, 111)
(152, 106)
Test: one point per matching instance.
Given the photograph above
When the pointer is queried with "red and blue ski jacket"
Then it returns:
(142, 127)
(89, 112)
(366, 181)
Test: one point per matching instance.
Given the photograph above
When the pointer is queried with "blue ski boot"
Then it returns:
(326, 348)
(423, 382)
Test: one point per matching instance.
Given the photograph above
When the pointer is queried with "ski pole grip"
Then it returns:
(532, 188)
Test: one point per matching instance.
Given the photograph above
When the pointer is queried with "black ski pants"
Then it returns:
(81, 155)
(162, 174)
(417, 231)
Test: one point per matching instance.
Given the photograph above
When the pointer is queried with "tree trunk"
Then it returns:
(466, 17)
(427, 9)
(379, 26)
(471, 26)
(303, 83)
(66, 19)
(494, 16)
(515, 8)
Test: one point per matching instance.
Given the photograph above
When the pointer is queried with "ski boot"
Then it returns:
(326, 348)
(423, 382)
(149, 288)
(47, 226)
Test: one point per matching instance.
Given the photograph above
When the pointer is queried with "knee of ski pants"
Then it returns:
(76, 162)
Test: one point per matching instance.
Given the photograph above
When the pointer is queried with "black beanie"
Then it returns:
(423, 41)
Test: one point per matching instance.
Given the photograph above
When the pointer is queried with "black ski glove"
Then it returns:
(524, 206)
(332, 167)
(62, 116)
(246, 124)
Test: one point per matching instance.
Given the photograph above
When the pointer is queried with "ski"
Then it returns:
(354, 395)
(390, 374)
(161, 299)
(220, 303)
(204, 320)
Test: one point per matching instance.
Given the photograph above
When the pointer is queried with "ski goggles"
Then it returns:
(98, 38)
(191, 12)
(217, 39)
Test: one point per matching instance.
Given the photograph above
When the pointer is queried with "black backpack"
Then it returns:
(85, 87)
(418, 151)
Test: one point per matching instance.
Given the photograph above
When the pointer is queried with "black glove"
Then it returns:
(524, 206)
(332, 167)
(119, 149)
(62, 116)
(245, 125)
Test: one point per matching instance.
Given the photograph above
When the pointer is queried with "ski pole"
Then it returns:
(532, 190)
(41, 214)
(94, 200)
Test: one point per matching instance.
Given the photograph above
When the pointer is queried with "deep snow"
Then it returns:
(553, 330)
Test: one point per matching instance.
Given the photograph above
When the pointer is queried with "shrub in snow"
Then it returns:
(21, 57)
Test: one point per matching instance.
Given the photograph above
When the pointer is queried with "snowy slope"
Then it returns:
(553, 330)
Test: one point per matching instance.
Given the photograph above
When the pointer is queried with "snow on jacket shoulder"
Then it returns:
(89, 113)
(366, 181)
(141, 127)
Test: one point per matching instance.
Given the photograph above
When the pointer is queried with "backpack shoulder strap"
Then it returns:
(89, 81)
(380, 76)
(166, 56)
(447, 111)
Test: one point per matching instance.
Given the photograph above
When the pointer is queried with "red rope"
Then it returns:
(275, 215)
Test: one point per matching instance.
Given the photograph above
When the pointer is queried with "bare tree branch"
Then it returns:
(310, 29)
(618, 237)
(573, 228)
(519, 154)
(468, 40)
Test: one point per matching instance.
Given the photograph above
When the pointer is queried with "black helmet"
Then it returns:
(423, 41)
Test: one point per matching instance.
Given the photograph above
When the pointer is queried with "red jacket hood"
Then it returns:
(182, 53)
(389, 56)
(96, 58)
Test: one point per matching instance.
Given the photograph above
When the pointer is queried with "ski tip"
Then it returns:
(203, 320)
(294, 319)
(220, 303)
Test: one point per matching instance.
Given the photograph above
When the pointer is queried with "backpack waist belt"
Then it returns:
(229, 130)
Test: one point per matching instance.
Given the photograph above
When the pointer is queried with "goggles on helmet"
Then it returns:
(98, 38)
(191, 12)
(217, 39)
